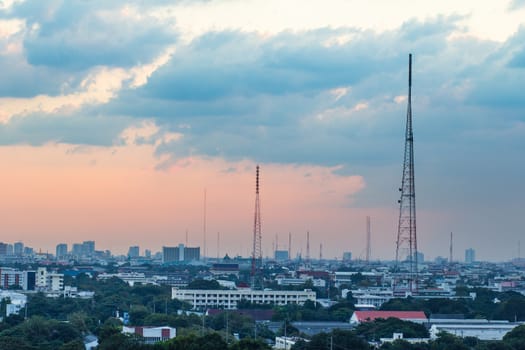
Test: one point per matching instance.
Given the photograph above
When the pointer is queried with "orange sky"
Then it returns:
(117, 197)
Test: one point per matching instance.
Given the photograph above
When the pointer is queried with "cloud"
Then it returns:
(39, 129)
(77, 34)
(516, 4)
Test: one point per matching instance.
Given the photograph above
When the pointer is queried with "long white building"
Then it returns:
(228, 299)
(481, 329)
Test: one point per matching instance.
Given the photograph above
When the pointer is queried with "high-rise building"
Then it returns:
(347, 256)
(10, 249)
(147, 253)
(76, 249)
(28, 251)
(134, 251)
(19, 248)
(3, 248)
(88, 248)
(61, 250)
(180, 254)
(470, 256)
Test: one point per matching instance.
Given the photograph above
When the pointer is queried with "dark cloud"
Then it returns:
(223, 64)
(79, 34)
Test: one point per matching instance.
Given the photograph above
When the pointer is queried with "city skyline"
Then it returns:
(115, 118)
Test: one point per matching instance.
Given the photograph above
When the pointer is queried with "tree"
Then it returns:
(204, 284)
(447, 341)
(137, 314)
(249, 344)
(516, 338)
(384, 328)
(73, 345)
(338, 339)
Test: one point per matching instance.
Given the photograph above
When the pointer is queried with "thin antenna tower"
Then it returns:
(257, 238)
(320, 251)
(186, 237)
(406, 233)
(218, 244)
(289, 245)
(204, 228)
(368, 246)
(308, 247)
(450, 249)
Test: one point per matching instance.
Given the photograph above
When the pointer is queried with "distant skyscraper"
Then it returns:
(3, 248)
(134, 251)
(470, 256)
(147, 253)
(88, 248)
(347, 256)
(420, 257)
(10, 249)
(76, 249)
(19, 248)
(28, 251)
(180, 254)
(61, 250)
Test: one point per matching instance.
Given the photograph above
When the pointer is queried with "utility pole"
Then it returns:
(368, 234)
(450, 250)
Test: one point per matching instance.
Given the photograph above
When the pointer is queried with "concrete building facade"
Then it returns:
(228, 299)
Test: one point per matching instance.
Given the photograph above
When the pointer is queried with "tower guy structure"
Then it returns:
(256, 272)
(406, 246)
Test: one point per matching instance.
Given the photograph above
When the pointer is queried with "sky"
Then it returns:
(116, 117)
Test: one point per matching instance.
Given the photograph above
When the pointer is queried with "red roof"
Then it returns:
(403, 315)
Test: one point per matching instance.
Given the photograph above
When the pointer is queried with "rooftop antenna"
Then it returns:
(290, 245)
(308, 247)
(320, 251)
(450, 249)
(186, 237)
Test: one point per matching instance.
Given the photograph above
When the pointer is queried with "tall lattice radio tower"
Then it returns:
(406, 247)
(257, 238)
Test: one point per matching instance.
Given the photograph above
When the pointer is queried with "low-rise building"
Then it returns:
(228, 299)
(151, 335)
(399, 336)
(286, 342)
(17, 301)
(370, 296)
(368, 316)
(481, 329)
